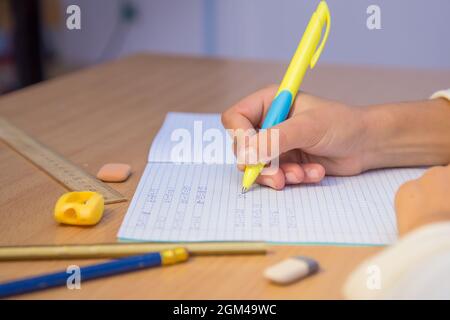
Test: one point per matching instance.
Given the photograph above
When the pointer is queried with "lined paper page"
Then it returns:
(200, 127)
(196, 202)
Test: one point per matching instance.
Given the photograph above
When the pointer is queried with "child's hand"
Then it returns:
(424, 200)
(320, 136)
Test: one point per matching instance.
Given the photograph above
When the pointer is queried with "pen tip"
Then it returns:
(244, 190)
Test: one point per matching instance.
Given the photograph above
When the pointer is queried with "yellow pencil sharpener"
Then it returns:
(82, 208)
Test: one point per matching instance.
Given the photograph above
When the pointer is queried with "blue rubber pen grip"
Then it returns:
(279, 109)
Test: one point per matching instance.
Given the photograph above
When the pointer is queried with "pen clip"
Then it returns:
(322, 13)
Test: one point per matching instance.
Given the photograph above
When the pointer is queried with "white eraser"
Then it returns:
(292, 269)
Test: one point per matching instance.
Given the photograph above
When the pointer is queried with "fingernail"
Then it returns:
(241, 156)
(247, 155)
(251, 155)
(291, 178)
(312, 173)
(268, 182)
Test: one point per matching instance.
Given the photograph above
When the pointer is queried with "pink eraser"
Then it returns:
(114, 172)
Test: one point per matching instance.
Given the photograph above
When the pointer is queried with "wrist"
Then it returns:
(407, 134)
(379, 127)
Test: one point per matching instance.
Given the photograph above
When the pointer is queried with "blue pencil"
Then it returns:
(118, 266)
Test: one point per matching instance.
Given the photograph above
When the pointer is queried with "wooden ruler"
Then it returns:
(71, 176)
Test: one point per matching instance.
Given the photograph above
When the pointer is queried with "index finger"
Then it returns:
(249, 112)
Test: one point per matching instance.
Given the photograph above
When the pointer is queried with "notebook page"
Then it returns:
(201, 129)
(197, 202)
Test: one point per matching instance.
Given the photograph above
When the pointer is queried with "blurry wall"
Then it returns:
(414, 32)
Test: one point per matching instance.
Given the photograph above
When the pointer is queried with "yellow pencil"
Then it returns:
(116, 250)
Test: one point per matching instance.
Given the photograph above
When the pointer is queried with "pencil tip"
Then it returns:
(244, 190)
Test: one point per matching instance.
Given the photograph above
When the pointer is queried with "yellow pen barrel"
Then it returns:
(306, 49)
(251, 173)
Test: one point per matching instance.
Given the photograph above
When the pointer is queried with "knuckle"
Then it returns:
(406, 189)
(271, 87)
(225, 117)
(431, 175)
(433, 171)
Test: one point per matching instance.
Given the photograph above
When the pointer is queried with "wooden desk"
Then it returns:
(110, 113)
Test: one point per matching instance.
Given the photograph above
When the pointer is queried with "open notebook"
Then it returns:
(193, 201)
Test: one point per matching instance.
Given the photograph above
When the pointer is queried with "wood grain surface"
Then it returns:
(110, 113)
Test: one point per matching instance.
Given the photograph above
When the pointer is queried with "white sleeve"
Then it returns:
(441, 94)
(416, 267)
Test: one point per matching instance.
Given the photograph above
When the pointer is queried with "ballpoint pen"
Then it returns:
(305, 55)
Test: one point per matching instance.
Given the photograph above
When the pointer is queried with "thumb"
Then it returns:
(298, 132)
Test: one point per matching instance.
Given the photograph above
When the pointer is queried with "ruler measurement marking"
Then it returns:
(59, 168)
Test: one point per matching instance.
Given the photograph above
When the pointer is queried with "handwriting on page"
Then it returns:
(203, 202)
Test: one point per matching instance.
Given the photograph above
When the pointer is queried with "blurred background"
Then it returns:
(35, 43)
